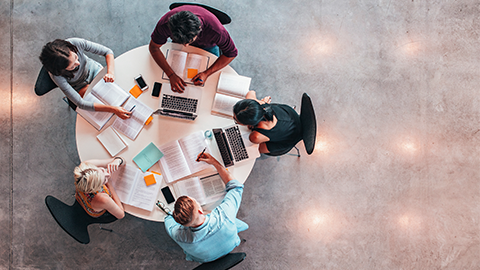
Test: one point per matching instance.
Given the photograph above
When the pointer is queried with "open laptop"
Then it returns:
(234, 145)
(179, 105)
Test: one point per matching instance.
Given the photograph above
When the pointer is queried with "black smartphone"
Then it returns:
(168, 195)
(141, 82)
(156, 89)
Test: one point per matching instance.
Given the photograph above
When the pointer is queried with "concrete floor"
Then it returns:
(393, 184)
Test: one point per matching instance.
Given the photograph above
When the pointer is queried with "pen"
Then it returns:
(133, 108)
(202, 153)
(199, 80)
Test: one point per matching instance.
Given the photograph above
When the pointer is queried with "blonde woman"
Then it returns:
(93, 190)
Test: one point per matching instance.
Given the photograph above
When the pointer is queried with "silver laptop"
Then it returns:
(233, 145)
(179, 105)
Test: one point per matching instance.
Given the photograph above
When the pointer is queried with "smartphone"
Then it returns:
(168, 195)
(141, 82)
(156, 89)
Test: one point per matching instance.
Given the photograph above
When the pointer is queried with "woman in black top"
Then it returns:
(276, 127)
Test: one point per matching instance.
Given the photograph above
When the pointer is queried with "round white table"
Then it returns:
(162, 129)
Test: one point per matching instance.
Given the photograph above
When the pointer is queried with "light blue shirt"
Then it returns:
(217, 236)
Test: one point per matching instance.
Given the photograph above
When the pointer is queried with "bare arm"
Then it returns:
(111, 164)
(113, 205)
(119, 111)
(176, 83)
(220, 63)
(222, 171)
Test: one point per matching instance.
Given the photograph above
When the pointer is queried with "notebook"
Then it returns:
(234, 145)
(179, 105)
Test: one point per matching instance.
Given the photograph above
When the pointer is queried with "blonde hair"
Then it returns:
(87, 178)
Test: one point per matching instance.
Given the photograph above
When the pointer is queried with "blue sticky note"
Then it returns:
(147, 157)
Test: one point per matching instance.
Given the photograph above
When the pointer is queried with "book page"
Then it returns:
(144, 196)
(123, 181)
(109, 93)
(195, 63)
(96, 119)
(111, 141)
(132, 126)
(190, 187)
(223, 104)
(233, 85)
(213, 187)
(192, 145)
(177, 60)
(173, 163)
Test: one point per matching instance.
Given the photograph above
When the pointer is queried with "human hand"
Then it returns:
(266, 99)
(206, 157)
(109, 77)
(113, 166)
(177, 84)
(122, 113)
(200, 78)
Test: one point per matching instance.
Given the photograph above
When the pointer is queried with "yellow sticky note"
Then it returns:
(148, 120)
(191, 72)
(136, 91)
(149, 180)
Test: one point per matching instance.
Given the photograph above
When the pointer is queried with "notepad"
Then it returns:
(149, 179)
(147, 157)
(112, 142)
(136, 91)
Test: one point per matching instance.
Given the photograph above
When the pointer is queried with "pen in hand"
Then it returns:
(201, 153)
(131, 110)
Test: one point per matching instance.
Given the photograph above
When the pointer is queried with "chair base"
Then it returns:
(226, 262)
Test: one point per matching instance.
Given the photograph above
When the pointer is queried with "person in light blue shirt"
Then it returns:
(207, 237)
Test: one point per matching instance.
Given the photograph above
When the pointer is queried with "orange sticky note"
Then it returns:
(148, 120)
(136, 91)
(149, 180)
(191, 72)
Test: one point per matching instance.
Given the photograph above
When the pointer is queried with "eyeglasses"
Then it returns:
(162, 207)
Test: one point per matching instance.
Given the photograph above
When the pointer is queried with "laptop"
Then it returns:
(179, 105)
(234, 145)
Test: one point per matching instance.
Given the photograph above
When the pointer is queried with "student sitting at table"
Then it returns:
(207, 237)
(72, 71)
(276, 127)
(196, 26)
(93, 190)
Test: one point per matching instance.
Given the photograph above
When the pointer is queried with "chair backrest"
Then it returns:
(309, 123)
(226, 262)
(73, 219)
(44, 83)
(221, 16)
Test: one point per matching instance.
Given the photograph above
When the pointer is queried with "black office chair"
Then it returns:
(73, 219)
(221, 16)
(226, 262)
(44, 84)
(309, 124)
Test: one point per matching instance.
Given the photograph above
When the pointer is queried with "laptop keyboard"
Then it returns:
(236, 143)
(179, 103)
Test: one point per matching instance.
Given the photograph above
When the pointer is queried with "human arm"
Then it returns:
(176, 83)
(222, 171)
(112, 204)
(110, 76)
(220, 63)
(111, 164)
(253, 95)
(119, 111)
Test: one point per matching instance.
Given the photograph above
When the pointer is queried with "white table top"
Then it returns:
(162, 129)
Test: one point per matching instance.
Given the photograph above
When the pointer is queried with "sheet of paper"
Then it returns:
(233, 85)
(123, 181)
(191, 187)
(177, 61)
(132, 126)
(144, 196)
(96, 119)
(223, 104)
(173, 164)
(192, 145)
(147, 157)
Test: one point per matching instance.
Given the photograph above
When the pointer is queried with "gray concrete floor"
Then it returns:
(393, 184)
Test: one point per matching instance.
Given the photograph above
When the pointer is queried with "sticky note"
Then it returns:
(149, 180)
(191, 72)
(148, 120)
(136, 91)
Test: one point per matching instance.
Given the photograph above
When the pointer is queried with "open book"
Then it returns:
(103, 93)
(186, 65)
(180, 157)
(132, 126)
(231, 88)
(111, 141)
(205, 190)
(131, 187)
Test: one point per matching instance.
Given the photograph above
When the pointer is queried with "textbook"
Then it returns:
(148, 157)
(231, 88)
(132, 126)
(186, 65)
(131, 188)
(205, 190)
(180, 157)
(103, 93)
(112, 142)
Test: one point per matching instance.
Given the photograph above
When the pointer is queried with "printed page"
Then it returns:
(213, 187)
(96, 119)
(195, 64)
(192, 145)
(176, 60)
(190, 187)
(144, 196)
(223, 105)
(111, 141)
(173, 163)
(123, 181)
(132, 126)
(109, 93)
(233, 85)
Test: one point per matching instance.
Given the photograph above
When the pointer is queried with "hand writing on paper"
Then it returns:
(206, 157)
(122, 113)
(200, 78)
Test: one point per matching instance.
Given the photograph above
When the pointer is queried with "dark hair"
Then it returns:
(183, 211)
(250, 112)
(184, 26)
(55, 57)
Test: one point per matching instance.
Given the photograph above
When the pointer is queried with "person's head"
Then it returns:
(60, 58)
(250, 112)
(184, 26)
(89, 178)
(187, 211)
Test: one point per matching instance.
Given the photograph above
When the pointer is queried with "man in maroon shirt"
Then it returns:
(196, 26)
